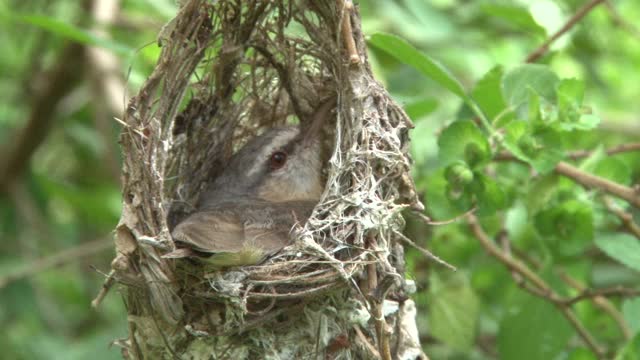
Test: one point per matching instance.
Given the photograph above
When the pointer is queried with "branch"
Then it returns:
(63, 257)
(578, 154)
(592, 293)
(58, 82)
(603, 303)
(589, 180)
(626, 218)
(539, 289)
(582, 12)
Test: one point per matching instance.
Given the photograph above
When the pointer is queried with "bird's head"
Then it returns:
(283, 164)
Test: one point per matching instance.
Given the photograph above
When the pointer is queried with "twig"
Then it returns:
(603, 303)
(347, 32)
(592, 293)
(424, 251)
(375, 297)
(589, 180)
(618, 20)
(578, 154)
(542, 49)
(540, 287)
(425, 219)
(63, 257)
(626, 218)
(104, 290)
(372, 349)
(512, 263)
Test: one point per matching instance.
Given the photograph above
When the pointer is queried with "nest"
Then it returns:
(227, 72)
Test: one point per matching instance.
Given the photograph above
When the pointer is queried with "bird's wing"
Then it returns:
(211, 231)
(233, 228)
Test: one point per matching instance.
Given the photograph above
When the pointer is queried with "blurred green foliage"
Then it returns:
(457, 67)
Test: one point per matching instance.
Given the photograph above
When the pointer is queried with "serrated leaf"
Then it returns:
(517, 84)
(436, 200)
(407, 54)
(623, 248)
(518, 16)
(585, 122)
(571, 114)
(460, 140)
(541, 148)
(570, 93)
(631, 312)
(489, 195)
(453, 311)
(567, 227)
(488, 95)
(534, 331)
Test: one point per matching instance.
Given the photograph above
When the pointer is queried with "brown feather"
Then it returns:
(245, 224)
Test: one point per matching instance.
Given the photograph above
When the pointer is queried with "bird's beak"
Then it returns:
(312, 131)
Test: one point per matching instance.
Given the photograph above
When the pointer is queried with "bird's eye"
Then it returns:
(278, 159)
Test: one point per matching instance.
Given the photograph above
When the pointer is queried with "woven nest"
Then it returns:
(227, 72)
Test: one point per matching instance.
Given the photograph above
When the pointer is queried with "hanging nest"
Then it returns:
(227, 72)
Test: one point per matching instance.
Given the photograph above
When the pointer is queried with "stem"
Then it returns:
(582, 12)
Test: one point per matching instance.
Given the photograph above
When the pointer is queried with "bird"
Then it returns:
(271, 184)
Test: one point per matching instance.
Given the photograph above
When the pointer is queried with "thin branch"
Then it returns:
(603, 303)
(540, 288)
(582, 12)
(625, 217)
(66, 256)
(578, 154)
(424, 251)
(608, 292)
(589, 180)
(372, 349)
(618, 20)
(512, 263)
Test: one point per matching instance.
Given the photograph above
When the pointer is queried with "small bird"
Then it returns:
(268, 186)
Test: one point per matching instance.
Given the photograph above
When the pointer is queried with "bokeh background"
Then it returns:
(67, 68)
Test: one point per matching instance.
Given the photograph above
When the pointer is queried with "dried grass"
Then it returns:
(227, 72)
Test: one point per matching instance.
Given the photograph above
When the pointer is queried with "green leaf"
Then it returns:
(567, 227)
(631, 312)
(437, 198)
(463, 140)
(517, 83)
(624, 248)
(614, 169)
(458, 174)
(571, 114)
(631, 350)
(541, 147)
(581, 354)
(534, 330)
(420, 108)
(453, 311)
(70, 32)
(518, 16)
(490, 196)
(488, 95)
(407, 54)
